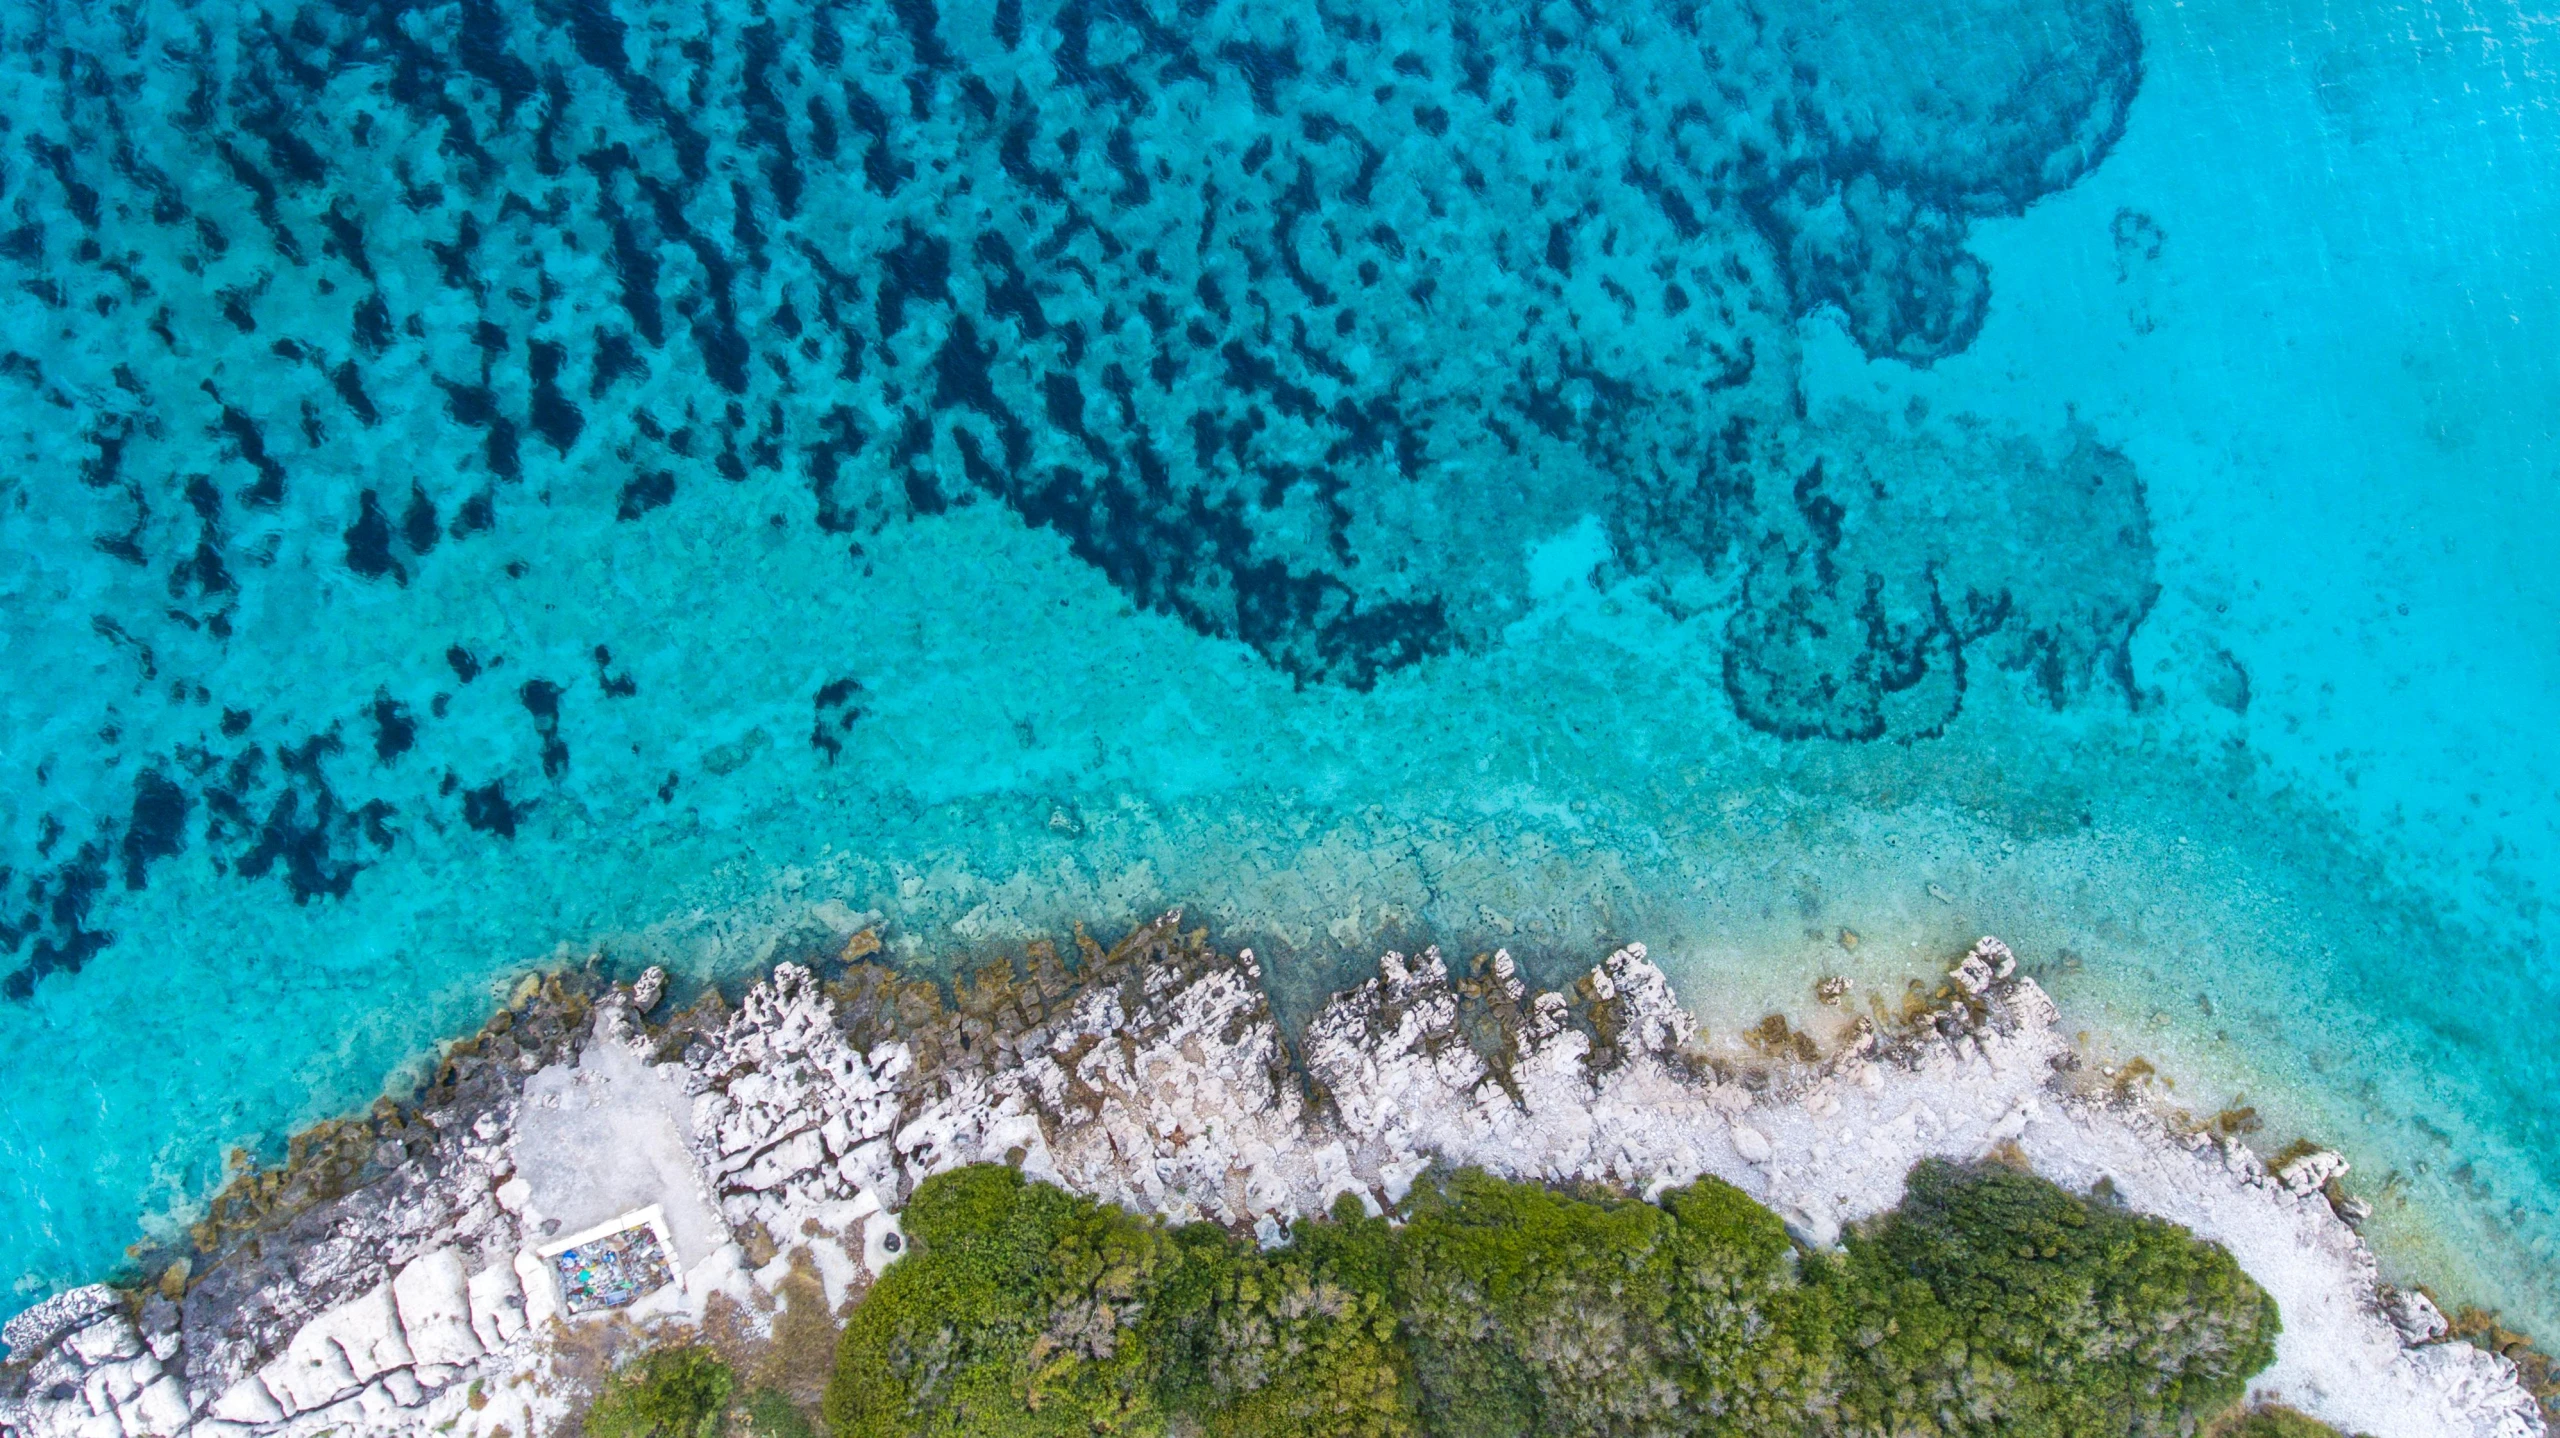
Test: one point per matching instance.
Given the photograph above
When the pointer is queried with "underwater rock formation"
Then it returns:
(1298, 329)
(395, 1276)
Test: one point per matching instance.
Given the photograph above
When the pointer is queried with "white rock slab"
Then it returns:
(497, 1306)
(434, 1299)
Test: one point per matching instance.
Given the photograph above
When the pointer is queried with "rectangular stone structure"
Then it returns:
(614, 1263)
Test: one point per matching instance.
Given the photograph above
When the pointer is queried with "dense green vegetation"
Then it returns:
(670, 1393)
(689, 1392)
(768, 1413)
(1993, 1298)
(1991, 1302)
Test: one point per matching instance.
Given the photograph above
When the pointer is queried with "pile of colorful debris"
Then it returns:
(612, 1270)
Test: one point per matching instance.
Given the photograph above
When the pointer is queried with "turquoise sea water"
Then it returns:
(486, 481)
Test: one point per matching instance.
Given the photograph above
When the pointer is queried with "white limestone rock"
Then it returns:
(540, 1288)
(2414, 1314)
(160, 1409)
(2477, 1391)
(312, 1372)
(1150, 1104)
(49, 1322)
(2306, 1175)
(403, 1387)
(779, 1163)
(1648, 1015)
(1169, 1088)
(1972, 975)
(112, 1385)
(433, 1298)
(1987, 962)
(1752, 1144)
(779, 1073)
(109, 1339)
(248, 1403)
(367, 1329)
(2031, 1007)
(497, 1306)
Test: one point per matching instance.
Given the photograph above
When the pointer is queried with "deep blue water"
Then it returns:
(484, 481)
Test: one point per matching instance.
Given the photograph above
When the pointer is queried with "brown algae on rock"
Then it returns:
(381, 1279)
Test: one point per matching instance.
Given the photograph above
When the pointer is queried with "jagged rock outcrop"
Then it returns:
(395, 1277)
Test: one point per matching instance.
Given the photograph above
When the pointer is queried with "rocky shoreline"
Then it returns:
(419, 1269)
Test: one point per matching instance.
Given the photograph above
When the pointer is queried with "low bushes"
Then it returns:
(670, 1393)
(688, 1392)
(1990, 1302)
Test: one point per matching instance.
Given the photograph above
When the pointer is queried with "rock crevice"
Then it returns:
(395, 1276)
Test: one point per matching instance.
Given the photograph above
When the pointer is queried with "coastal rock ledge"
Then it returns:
(400, 1274)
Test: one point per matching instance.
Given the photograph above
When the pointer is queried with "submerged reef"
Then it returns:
(1112, 1187)
(1297, 329)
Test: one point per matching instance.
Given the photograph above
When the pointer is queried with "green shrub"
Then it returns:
(770, 1413)
(1991, 1302)
(1755, 1344)
(1529, 1312)
(670, 1393)
(1023, 1310)
(1011, 1317)
(1290, 1350)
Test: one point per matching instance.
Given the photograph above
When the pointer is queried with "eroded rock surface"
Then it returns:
(392, 1279)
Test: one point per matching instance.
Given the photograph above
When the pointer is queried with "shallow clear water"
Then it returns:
(696, 479)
